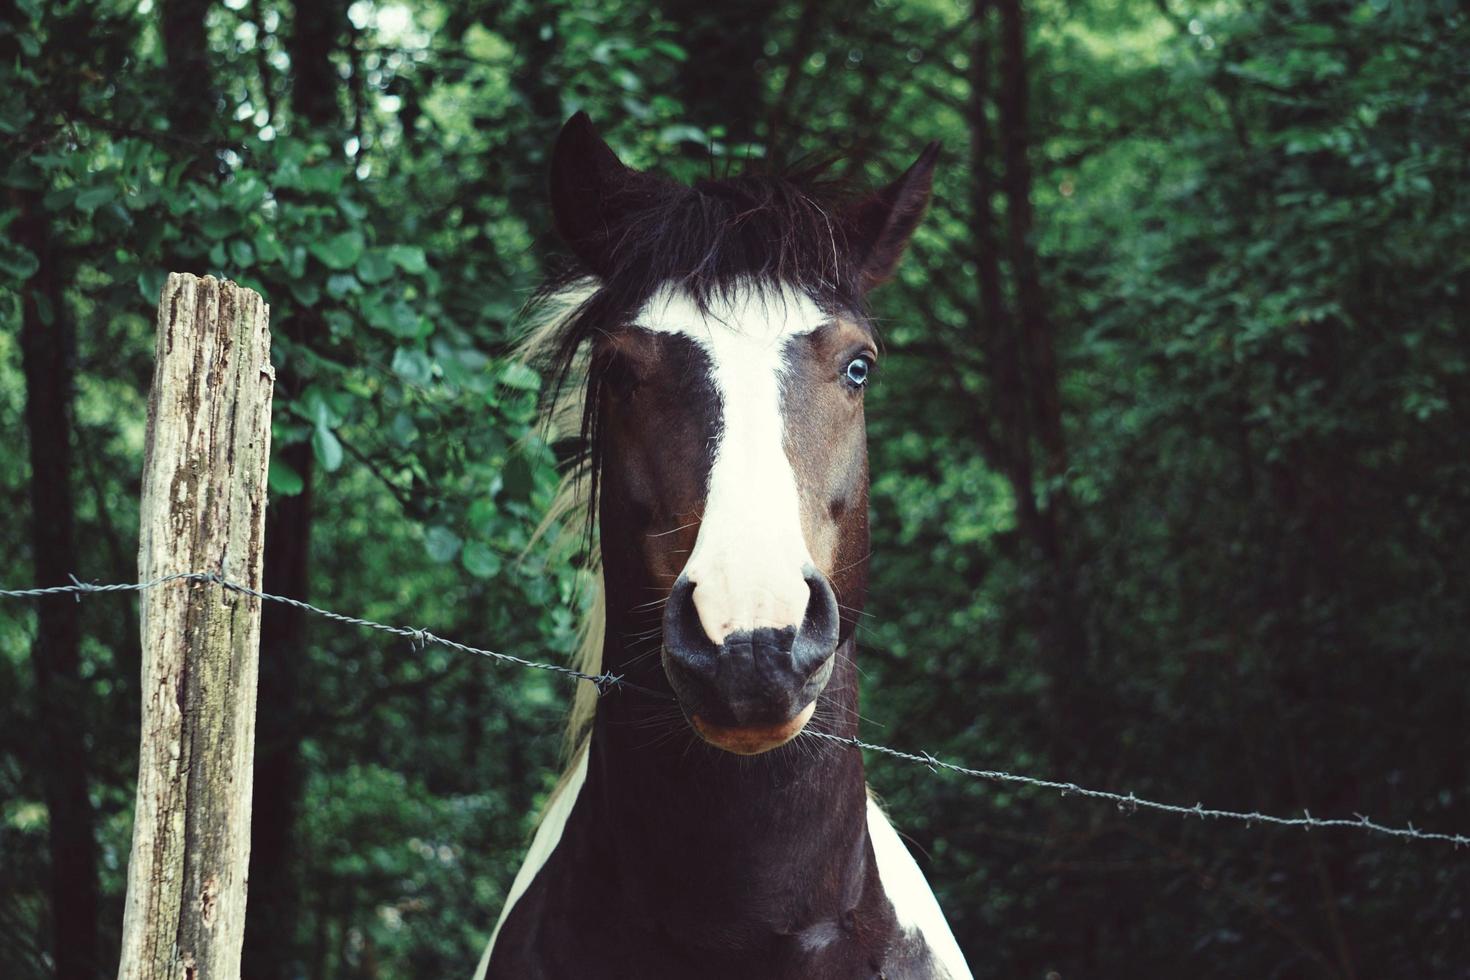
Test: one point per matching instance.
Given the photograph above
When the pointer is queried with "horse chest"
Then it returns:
(575, 921)
(556, 948)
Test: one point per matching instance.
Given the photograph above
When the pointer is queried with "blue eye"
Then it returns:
(858, 370)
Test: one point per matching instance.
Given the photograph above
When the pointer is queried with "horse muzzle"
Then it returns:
(756, 689)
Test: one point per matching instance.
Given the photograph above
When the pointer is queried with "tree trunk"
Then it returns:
(1063, 633)
(314, 38)
(190, 106)
(48, 345)
(1024, 399)
(270, 934)
(203, 506)
(997, 327)
(796, 56)
(720, 83)
(1037, 348)
(272, 945)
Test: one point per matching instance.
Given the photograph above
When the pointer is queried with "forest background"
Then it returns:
(1171, 490)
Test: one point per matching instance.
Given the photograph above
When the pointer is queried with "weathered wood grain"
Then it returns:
(203, 509)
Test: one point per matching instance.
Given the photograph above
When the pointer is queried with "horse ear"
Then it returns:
(592, 191)
(881, 224)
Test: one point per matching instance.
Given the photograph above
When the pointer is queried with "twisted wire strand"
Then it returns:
(1131, 803)
(607, 682)
(418, 637)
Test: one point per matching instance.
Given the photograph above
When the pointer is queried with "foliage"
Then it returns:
(1252, 233)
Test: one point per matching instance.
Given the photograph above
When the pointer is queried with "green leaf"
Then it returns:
(59, 199)
(94, 197)
(219, 224)
(350, 208)
(375, 266)
(307, 293)
(441, 543)
(517, 479)
(113, 220)
(323, 409)
(150, 284)
(327, 448)
(683, 134)
(340, 284)
(482, 515)
(283, 480)
(242, 255)
(268, 247)
(340, 252)
(339, 322)
(13, 118)
(246, 191)
(322, 177)
(18, 263)
(398, 318)
(23, 175)
(413, 366)
(403, 430)
(409, 258)
(480, 560)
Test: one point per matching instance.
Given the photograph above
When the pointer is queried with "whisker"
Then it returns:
(851, 564)
(676, 530)
(642, 657)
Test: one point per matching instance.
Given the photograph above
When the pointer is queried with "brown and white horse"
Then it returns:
(721, 352)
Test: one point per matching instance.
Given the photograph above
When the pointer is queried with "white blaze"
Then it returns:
(747, 564)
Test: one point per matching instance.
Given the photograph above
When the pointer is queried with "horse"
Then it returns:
(717, 349)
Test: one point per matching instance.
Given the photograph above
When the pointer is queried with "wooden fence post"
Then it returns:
(204, 494)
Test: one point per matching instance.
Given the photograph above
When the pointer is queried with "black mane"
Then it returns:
(755, 229)
(710, 240)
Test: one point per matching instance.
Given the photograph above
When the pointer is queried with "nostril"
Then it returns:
(821, 608)
(817, 638)
(684, 634)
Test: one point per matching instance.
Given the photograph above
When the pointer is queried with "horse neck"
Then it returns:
(733, 846)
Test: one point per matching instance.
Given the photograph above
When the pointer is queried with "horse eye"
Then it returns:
(858, 370)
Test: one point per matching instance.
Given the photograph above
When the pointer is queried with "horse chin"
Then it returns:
(752, 740)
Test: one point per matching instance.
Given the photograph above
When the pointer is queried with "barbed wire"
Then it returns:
(1130, 802)
(419, 638)
(607, 682)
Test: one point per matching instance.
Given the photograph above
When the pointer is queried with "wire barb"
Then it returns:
(1130, 803)
(420, 638)
(415, 635)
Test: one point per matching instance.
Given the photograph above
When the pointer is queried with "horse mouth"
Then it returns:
(752, 739)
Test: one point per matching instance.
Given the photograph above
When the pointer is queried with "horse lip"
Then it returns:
(752, 739)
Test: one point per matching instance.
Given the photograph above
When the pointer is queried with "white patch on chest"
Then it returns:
(913, 901)
(548, 835)
(749, 560)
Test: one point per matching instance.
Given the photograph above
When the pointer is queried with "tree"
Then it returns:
(48, 345)
(1166, 491)
(275, 871)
